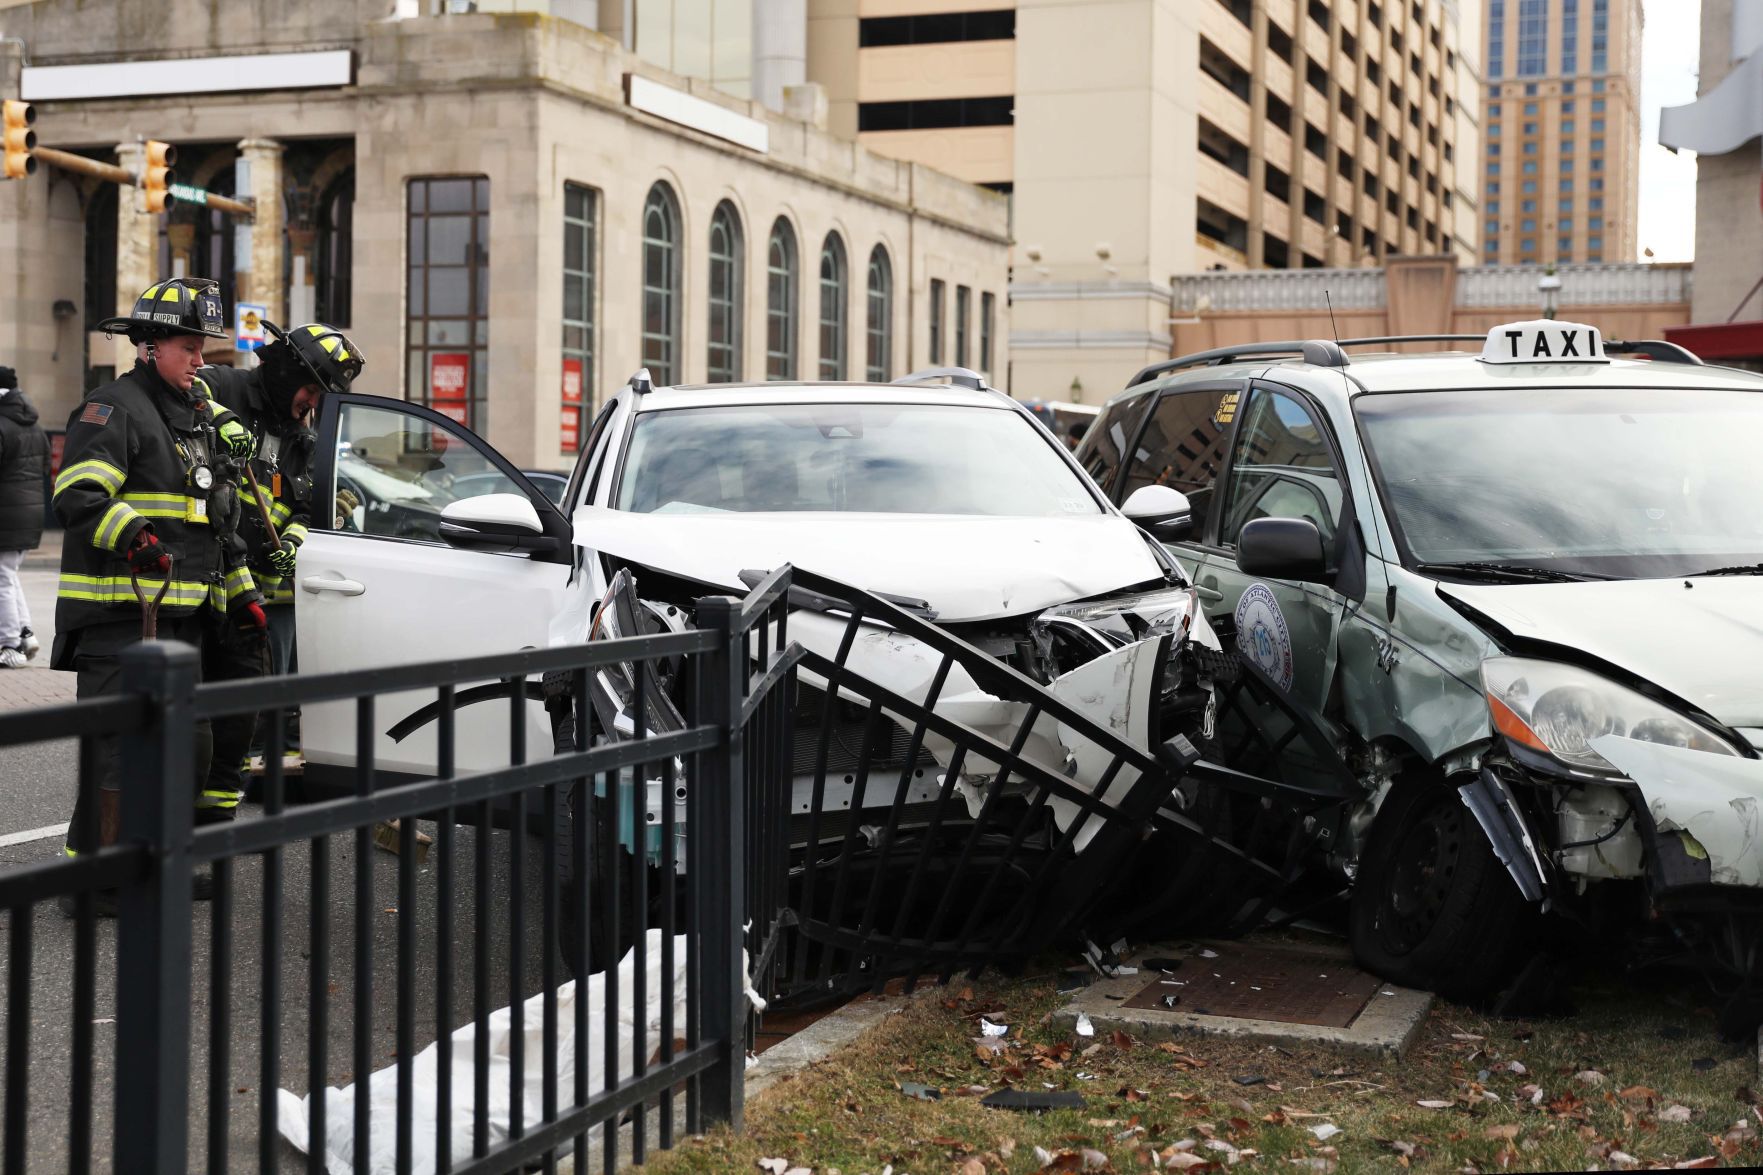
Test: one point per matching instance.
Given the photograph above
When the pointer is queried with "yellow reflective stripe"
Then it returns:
(103, 472)
(295, 533)
(220, 799)
(159, 505)
(172, 294)
(116, 589)
(111, 524)
(239, 581)
(280, 512)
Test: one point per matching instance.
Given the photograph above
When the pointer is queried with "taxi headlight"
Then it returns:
(1121, 620)
(1559, 709)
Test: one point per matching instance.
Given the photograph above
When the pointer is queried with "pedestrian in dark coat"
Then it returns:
(24, 464)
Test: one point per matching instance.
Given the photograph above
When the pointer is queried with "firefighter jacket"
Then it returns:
(283, 467)
(138, 454)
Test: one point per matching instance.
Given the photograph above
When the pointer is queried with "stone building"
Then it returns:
(508, 211)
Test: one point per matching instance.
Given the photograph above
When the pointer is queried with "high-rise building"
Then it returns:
(1561, 126)
(1140, 139)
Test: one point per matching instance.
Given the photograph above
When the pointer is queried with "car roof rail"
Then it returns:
(959, 376)
(1657, 350)
(642, 383)
(1387, 340)
(1316, 352)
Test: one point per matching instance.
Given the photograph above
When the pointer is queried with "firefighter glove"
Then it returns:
(281, 561)
(240, 444)
(346, 504)
(249, 616)
(146, 554)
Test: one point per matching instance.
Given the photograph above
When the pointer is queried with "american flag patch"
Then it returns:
(96, 414)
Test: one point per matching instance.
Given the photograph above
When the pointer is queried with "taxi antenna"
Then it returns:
(1329, 298)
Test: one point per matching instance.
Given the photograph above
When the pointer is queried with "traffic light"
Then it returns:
(20, 140)
(158, 175)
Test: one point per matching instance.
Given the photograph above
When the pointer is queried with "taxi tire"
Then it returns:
(1432, 907)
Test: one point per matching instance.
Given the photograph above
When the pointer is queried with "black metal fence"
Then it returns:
(657, 1005)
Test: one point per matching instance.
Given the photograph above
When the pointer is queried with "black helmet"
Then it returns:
(178, 306)
(321, 351)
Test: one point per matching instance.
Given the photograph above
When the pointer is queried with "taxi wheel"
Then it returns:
(1432, 906)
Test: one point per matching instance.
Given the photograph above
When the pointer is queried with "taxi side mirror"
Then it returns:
(495, 522)
(1283, 548)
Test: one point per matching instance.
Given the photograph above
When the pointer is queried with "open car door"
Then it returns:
(401, 567)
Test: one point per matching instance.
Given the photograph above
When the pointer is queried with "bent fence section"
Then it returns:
(218, 1007)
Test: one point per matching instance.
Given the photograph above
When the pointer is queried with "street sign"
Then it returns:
(250, 331)
(188, 193)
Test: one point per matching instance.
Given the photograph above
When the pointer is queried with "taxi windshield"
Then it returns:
(848, 458)
(1627, 483)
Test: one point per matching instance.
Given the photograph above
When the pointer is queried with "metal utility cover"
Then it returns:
(1284, 984)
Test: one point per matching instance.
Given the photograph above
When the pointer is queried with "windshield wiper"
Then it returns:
(1510, 572)
(1737, 569)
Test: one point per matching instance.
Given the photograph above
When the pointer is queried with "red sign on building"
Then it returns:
(570, 426)
(449, 377)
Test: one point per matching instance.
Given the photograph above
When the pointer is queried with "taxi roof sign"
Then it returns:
(1544, 340)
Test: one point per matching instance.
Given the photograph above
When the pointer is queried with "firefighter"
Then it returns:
(143, 493)
(276, 401)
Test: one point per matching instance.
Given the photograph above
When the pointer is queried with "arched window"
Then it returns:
(833, 312)
(780, 302)
(661, 285)
(727, 266)
(879, 331)
(336, 235)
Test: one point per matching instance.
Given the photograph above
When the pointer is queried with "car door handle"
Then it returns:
(347, 587)
(1208, 595)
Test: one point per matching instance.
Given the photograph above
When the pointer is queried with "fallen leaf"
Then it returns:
(1589, 1077)
(774, 1166)
(1249, 1079)
(1006, 1147)
(1503, 1133)
(1434, 1104)
(966, 995)
(1121, 1040)
(1702, 1163)
(1175, 1160)
(1638, 1093)
(1675, 1113)
(972, 1167)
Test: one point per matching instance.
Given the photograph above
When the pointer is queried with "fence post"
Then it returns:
(153, 936)
(721, 881)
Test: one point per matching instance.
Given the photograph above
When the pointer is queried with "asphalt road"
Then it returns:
(36, 790)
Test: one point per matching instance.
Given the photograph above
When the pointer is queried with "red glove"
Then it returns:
(145, 554)
(250, 615)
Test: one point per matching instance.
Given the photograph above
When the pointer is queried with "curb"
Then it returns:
(824, 1037)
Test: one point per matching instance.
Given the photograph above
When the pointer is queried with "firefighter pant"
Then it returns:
(228, 654)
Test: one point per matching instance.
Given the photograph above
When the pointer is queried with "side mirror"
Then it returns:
(1283, 548)
(1164, 512)
(495, 522)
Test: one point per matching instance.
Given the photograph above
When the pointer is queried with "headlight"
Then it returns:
(1559, 709)
(1121, 620)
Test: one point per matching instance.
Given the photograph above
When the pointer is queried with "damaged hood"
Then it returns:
(965, 567)
(1702, 643)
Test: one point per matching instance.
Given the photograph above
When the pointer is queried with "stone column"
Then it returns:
(263, 284)
(137, 234)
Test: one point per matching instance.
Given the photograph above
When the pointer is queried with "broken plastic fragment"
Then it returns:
(1022, 1099)
(923, 1093)
(1325, 1131)
(990, 1029)
(1084, 1027)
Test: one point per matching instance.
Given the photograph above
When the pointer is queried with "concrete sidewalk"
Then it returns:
(47, 556)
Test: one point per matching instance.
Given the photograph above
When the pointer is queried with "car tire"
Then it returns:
(1432, 906)
(605, 944)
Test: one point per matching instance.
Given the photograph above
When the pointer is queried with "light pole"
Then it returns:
(1549, 286)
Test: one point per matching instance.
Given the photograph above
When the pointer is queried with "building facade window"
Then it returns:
(1496, 38)
(878, 364)
(661, 284)
(963, 313)
(447, 296)
(780, 302)
(727, 283)
(1569, 36)
(332, 303)
(580, 250)
(936, 321)
(988, 310)
(834, 289)
(1533, 37)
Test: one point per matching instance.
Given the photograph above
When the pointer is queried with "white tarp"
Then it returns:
(293, 1112)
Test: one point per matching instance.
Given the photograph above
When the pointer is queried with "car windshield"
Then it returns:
(1612, 482)
(849, 458)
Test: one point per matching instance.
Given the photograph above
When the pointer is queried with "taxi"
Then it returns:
(1511, 595)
